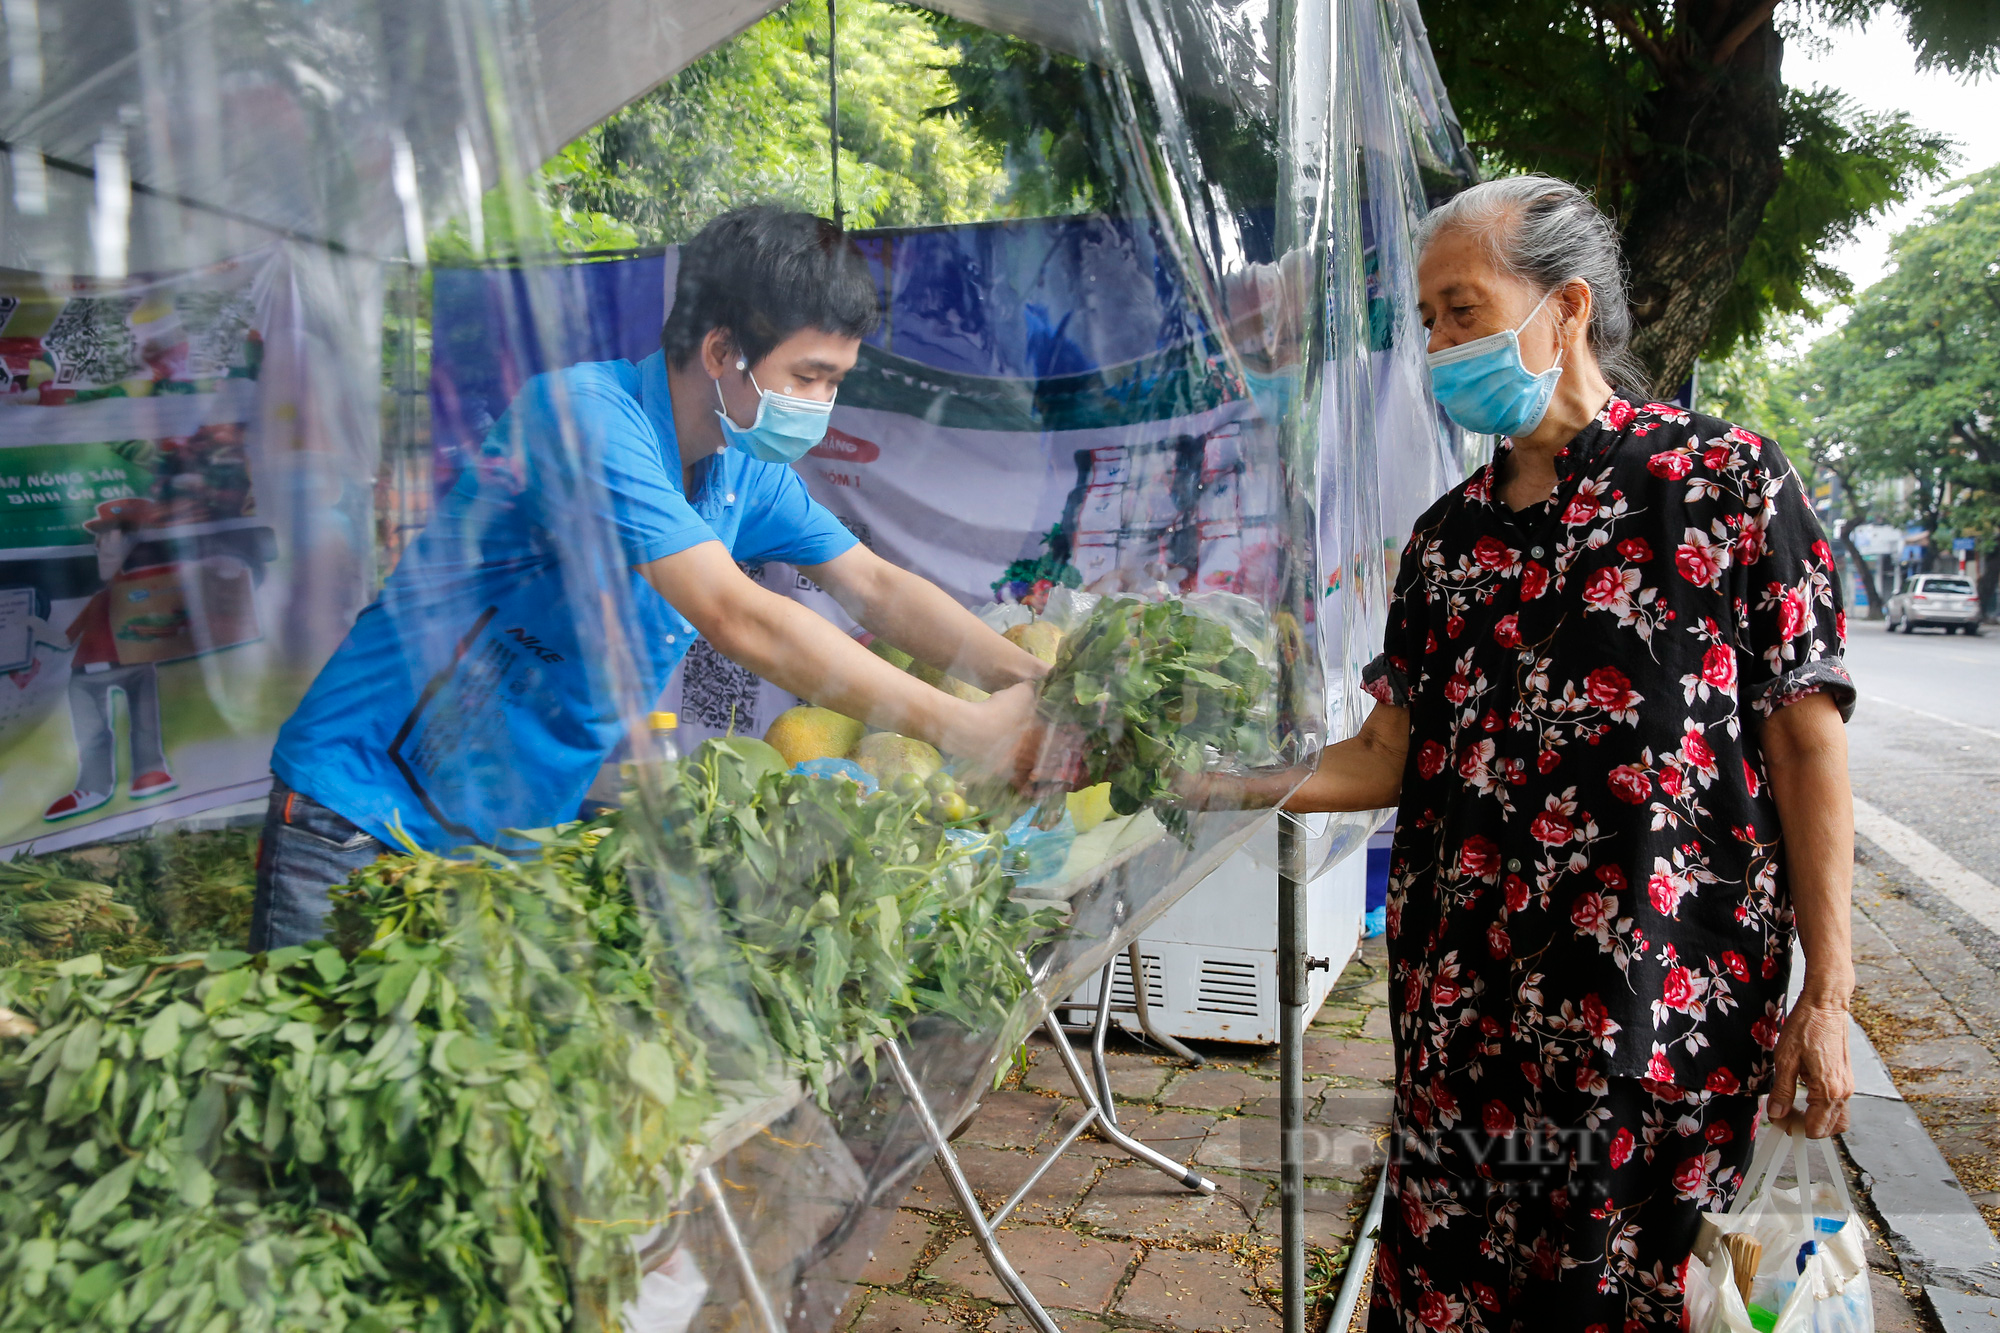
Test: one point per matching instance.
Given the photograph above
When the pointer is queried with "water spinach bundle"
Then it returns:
(1150, 689)
(458, 1112)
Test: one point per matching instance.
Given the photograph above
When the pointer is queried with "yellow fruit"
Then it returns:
(888, 757)
(806, 733)
(1038, 637)
(891, 654)
(951, 685)
(1090, 807)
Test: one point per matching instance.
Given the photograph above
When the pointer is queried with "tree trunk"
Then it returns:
(1719, 139)
(1867, 568)
(1989, 576)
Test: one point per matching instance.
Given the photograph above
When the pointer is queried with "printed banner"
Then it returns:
(148, 459)
(1040, 406)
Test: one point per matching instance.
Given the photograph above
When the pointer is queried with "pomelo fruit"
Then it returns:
(1038, 637)
(803, 733)
(889, 757)
(890, 653)
(951, 685)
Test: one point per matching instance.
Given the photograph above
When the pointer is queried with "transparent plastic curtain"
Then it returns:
(635, 1069)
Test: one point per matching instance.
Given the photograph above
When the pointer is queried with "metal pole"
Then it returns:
(1292, 1067)
(833, 110)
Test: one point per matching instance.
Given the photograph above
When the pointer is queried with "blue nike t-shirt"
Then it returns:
(480, 691)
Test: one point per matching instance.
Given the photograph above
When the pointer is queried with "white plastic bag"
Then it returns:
(1812, 1276)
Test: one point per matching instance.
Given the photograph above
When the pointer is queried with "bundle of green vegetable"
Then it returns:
(129, 900)
(458, 1113)
(1149, 687)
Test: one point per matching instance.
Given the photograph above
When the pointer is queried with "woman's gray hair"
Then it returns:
(1547, 232)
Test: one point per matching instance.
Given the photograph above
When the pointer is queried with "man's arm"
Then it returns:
(800, 651)
(923, 620)
(1805, 752)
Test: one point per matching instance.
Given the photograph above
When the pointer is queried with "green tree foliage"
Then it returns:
(1910, 385)
(748, 122)
(1055, 119)
(1728, 184)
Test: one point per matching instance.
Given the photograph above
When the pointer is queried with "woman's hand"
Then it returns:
(1231, 791)
(1813, 1049)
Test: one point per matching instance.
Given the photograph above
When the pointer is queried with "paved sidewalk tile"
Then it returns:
(994, 1175)
(890, 1312)
(1349, 1058)
(895, 1255)
(1369, 1107)
(1062, 1268)
(1012, 1119)
(1216, 1089)
(1177, 1134)
(1331, 1216)
(1133, 1077)
(1135, 1201)
(1250, 1143)
(1195, 1290)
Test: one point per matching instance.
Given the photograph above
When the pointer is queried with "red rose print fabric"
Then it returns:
(1536, 1202)
(1587, 887)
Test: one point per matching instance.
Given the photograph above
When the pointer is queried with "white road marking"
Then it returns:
(1935, 717)
(1927, 861)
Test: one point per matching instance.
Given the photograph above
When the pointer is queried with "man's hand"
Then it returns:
(1813, 1049)
(1001, 737)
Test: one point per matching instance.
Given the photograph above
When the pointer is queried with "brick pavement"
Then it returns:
(1108, 1243)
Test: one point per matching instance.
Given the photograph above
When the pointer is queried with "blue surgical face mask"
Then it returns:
(786, 427)
(1483, 386)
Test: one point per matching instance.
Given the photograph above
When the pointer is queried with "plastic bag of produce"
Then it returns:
(1783, 1259)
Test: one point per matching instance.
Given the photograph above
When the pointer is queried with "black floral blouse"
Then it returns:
(1587, 850)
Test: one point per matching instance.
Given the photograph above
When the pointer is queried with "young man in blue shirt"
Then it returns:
(599, 530)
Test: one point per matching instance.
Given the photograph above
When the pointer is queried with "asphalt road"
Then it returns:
(1924, 745)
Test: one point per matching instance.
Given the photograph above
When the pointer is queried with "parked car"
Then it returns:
(1946, 601)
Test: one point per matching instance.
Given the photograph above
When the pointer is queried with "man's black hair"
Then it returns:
(764, 273)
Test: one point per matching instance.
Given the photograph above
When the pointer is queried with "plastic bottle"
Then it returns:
(661, 746)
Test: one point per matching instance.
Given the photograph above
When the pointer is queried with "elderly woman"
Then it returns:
(1609, 711)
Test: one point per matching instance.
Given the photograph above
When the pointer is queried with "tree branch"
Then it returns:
(1629, 27)
(1758, 16)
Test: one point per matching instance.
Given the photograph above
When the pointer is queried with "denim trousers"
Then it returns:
(306, 850)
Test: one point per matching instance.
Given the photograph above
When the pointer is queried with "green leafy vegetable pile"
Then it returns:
(129, 900)
(457, 1113)
(1152, 685)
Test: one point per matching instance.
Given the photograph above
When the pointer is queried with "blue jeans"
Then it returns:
(306, 850)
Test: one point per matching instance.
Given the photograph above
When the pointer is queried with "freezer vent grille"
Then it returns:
(1228, 988)
(1121, 981)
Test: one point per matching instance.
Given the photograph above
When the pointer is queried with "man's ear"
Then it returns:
(718, 351)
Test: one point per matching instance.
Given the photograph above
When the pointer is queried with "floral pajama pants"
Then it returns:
(1518, 1200)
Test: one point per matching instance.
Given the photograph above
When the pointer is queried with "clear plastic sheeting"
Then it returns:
(637, 1021)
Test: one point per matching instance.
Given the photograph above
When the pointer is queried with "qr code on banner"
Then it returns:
(216, 323)
(91, 341)
(717, 693)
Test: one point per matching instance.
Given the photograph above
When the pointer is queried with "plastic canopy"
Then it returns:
(632, 1069)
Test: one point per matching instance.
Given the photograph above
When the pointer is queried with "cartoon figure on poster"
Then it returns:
(96, 672)
(142, 617)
